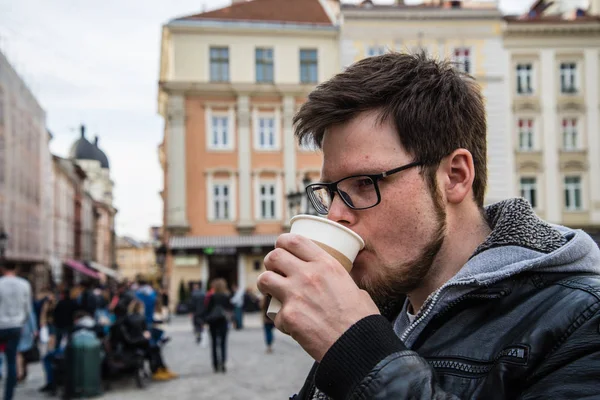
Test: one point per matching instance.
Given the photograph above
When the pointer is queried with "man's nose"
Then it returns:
(340, 212)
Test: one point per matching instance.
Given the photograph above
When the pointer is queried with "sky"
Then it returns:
(96, 63)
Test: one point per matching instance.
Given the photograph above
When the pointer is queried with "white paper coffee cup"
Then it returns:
(337, 240)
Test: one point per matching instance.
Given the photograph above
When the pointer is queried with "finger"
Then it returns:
(282, 262)
(300, 246)
(271, 283)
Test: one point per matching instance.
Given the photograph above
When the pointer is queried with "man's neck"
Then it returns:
(462, 239)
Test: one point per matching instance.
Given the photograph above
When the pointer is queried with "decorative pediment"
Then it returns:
(529, 165)
(526, 105)
(571, 106)
(573, 165)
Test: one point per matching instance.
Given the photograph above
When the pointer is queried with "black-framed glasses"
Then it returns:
(358, 192)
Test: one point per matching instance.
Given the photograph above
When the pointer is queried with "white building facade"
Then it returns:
(554, 115)
(469, 34)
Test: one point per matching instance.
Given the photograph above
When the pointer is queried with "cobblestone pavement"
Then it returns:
(251, 374)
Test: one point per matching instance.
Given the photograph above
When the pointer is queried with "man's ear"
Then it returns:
(458, 173)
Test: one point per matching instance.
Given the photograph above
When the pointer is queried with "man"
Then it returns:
(197, 310)
(237, 300)
(15, 307)
(147, 295)
(63, 315)
(501, 305)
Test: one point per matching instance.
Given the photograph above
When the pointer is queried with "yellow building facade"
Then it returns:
(135, 259)
(231, 81)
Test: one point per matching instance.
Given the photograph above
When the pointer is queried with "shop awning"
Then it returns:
(201, 242)
(105, 270)
(77, 266)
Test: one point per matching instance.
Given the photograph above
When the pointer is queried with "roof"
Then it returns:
(368, 4)
(83, 149)
(201, 242)
(293, 11)
(542, 12)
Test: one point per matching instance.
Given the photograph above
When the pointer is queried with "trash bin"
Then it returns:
(83, 359)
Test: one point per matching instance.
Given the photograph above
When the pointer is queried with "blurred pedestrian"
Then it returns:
(147, 295)
(216, 315)
(27, 350)
(138, 333)
(165, 302)
(46, 326)
(268, 324)
(197, 310)
(63, 316)
(237, 300)
(15, 309)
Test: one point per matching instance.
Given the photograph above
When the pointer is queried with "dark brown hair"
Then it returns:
(435, 108)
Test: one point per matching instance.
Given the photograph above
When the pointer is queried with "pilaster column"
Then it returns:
(176, 191)
(554, 185)
(592, 101)
(289, 152)
(246, 223)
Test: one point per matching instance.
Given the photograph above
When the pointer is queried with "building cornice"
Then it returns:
(236, 27)
(419, 14)
(536, 29)
(235, 89)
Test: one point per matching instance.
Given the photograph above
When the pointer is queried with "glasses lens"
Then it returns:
(320, 198)
(358, 192)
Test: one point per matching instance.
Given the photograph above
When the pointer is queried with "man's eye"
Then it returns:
(365, 182)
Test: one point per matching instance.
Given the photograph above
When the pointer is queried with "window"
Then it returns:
(220, 130)
(462, 58)
(219, 64)
(526, 135)
(308, 66)
(568, 77)
(266, 133)
(267, 201)
(570, 136)
(221, 201)
(524, 78)
(264, 65)
(573, 193)
(529, 190)
(375, 51)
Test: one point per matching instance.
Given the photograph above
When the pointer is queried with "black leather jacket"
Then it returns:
(535, 336)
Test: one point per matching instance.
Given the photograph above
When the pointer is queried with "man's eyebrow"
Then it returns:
(365, 171)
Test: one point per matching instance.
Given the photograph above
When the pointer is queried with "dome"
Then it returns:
(83, 149)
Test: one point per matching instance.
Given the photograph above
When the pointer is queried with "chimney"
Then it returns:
(96, 141)
(82, 129)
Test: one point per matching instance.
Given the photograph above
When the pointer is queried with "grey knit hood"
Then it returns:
(519, 242)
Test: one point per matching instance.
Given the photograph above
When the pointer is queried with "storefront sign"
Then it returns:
(186, 260)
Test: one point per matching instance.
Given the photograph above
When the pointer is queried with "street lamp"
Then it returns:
(3, 242)
(295, 199)
(305, 182)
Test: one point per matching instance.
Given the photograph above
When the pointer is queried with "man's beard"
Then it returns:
(389, 287)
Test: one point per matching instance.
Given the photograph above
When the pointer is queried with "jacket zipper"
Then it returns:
(430, 306)
(461, 366)
(482, 296)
